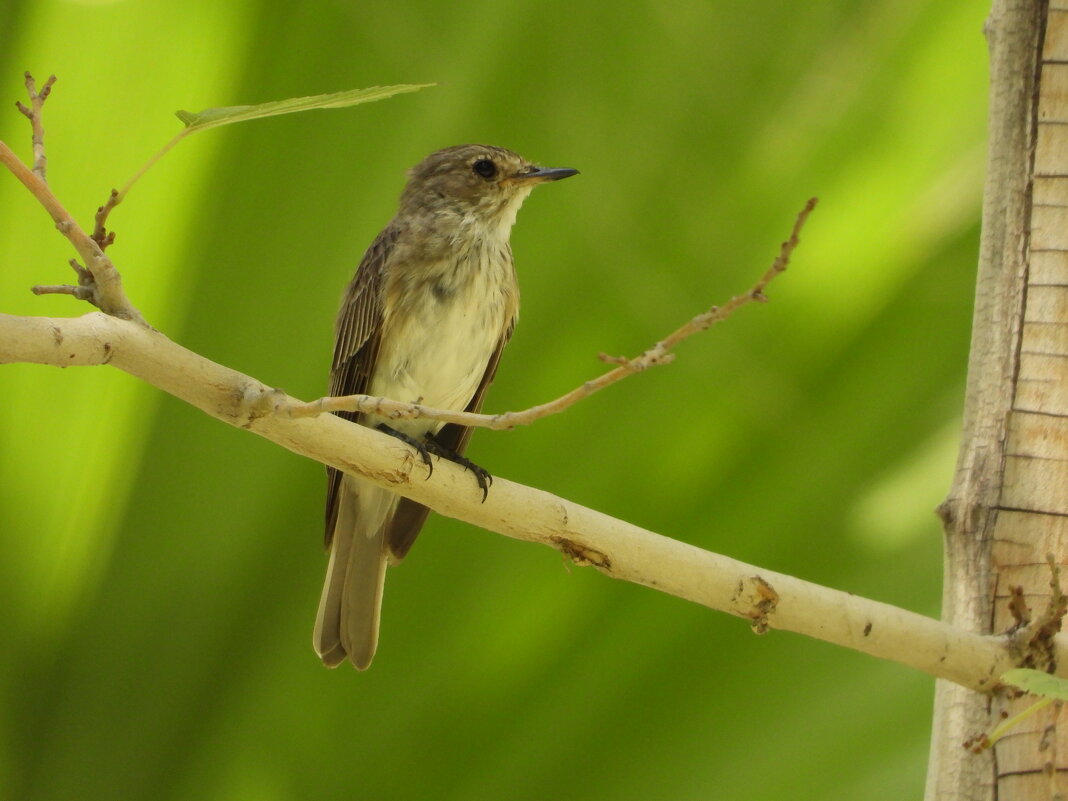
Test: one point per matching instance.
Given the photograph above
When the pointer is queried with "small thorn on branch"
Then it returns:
(85, 278)
(86, 289)
(80, 292)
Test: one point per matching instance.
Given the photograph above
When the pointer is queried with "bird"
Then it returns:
(424, 320)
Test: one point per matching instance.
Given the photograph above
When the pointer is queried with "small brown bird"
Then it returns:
(424, 320)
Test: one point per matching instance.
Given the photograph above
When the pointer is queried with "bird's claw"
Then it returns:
(420, 447)
(481, 475)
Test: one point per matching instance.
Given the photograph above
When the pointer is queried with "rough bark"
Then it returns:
(1008, 506)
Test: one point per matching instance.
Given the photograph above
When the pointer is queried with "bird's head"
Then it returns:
(477, 185)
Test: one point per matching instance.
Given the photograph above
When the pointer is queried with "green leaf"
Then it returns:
(1037, 682)
(212, 117)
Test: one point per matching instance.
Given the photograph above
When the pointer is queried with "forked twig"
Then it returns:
(101, 235)
(33, 114)
(98, 281)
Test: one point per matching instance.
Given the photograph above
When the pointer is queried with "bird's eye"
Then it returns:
(484, 167)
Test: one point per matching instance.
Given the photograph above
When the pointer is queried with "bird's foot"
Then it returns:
(481, 475)
(420, 447)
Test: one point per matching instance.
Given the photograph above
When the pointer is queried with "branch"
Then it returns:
(99, 281)
(616, 548)
(657, 354)
(101, 235)
(33, 113)
(107, 292)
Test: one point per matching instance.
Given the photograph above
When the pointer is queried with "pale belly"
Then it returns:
(438, 356)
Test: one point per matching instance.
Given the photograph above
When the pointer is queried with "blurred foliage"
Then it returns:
(161, 571)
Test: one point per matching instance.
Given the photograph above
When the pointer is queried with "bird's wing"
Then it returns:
(410, 516)
(356, 340)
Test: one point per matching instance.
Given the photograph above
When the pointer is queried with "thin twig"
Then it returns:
(99, 281)
(83, 291)
(656, 355)
(101, 235)
(108, 294)
(79, 292)
(33, 113)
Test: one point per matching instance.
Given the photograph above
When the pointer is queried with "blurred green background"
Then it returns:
(160, 571)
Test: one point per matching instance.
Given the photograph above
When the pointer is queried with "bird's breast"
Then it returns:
(442, 322)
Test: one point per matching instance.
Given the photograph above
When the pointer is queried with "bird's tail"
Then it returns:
(349, 609)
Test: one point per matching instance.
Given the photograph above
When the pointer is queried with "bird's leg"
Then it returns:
(423, 451)
(482, 475)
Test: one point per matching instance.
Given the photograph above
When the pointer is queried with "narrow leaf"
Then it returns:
(1037, 682)
(212, 117)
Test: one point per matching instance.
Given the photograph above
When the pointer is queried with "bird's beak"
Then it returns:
(542, 174)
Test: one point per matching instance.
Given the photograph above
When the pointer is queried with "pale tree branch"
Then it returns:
(616, 548)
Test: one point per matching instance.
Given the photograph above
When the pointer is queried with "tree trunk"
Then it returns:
(1008, 507)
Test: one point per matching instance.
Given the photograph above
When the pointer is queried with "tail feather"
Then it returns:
(362, 604)
(327, 635)
(351, 602)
